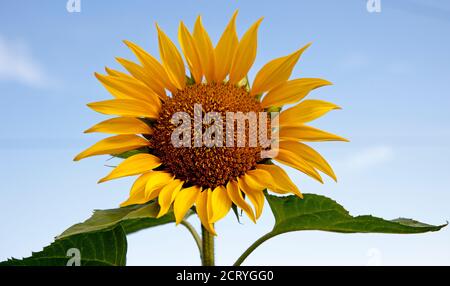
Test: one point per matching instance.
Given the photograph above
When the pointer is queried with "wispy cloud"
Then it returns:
(17, 64)
(368, 158)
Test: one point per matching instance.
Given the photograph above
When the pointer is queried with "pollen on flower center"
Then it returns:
(206, 166)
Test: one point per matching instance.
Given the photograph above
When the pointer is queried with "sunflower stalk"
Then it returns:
(252, 247)
(207, 248)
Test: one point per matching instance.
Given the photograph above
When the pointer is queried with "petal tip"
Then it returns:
(99, 76)
(78, 157)
(258, 22)
(102, 180)
(128, 43)
(90, 105)
(157, 27)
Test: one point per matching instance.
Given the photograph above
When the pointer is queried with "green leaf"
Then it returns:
(315, 212)
(131, 218)
(104, 248)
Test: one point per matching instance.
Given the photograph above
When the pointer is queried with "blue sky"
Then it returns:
(390, 72)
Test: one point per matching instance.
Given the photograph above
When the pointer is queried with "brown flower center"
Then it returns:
(204, 166)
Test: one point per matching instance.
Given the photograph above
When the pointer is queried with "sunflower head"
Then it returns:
(203, 165)
(200, 139)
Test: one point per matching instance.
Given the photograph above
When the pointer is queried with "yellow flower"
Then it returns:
(211, 178)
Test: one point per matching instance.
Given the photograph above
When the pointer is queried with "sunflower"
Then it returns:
(214, 179)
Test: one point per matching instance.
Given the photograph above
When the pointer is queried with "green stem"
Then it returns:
(253, 247)
(195, 235)
(208, 248)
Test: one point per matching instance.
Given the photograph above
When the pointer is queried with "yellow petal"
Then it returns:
(130, 88)
(141, 74)
(210, 205)
(264, 179)
(172, 61)
(275, 72)
(260, 178)
(267, 180)
(205, 49)
(140, 183)
(113, 145)
(121, 125)
(220, 202)
(307, 133)
(190, 52)
(116, 73)
(305, 111)
(280, 179)
(225, 50)
(245, 54)
(153, 67)
(201, 206)
(167, 196)
(236, 196)
(310, 155)
(114, 92)
(134, 165)
(294, 160)
(292, 91)
(137, 194)
(125, 108)
(156, 182)
(254, 193)
(135, 199)
(184, 201)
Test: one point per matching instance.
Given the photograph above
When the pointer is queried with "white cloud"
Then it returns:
(369, 157)
(17, 64)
